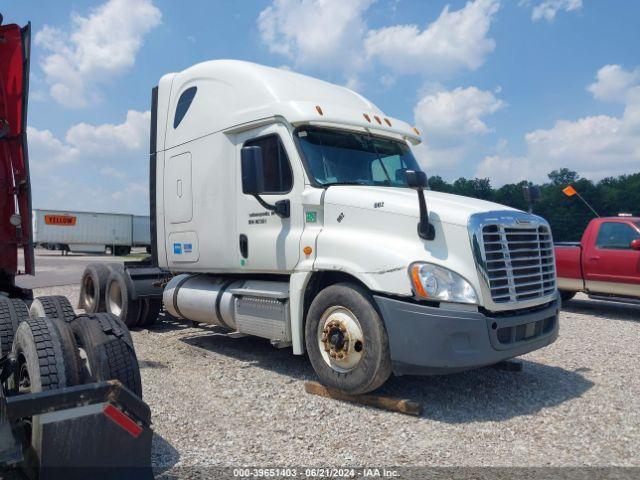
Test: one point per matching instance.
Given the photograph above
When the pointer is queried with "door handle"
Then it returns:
(595, 259)
(244, 245)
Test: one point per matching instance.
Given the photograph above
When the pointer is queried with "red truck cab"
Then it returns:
(606, 262)
(15, 195)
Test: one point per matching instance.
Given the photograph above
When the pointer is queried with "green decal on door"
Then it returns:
(311, 217)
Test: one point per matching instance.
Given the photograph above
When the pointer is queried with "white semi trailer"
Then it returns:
(292, 209)
(90, 231)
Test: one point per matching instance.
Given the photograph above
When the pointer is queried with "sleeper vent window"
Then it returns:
(184, 102)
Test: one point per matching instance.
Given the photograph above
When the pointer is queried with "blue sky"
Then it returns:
(505, 89)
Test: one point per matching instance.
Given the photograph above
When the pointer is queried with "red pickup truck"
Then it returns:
(606, 262)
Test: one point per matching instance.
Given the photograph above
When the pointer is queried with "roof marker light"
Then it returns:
(367, 117)
(319, 110)
(378, 119)
(387, 121)
(416, 130)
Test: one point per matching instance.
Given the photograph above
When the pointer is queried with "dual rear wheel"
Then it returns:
(53, 349)
(106, 289)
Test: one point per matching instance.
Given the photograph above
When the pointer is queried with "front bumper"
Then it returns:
(427, 340)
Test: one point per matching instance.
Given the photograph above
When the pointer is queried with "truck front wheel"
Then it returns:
(567, 295)
(346, 339)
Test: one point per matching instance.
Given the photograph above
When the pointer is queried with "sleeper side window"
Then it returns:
(184, 102)
(278, 177)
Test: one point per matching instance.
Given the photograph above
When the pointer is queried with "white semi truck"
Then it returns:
(293, 209)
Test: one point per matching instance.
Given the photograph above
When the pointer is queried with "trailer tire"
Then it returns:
(12, 312)
(566, 295)
(92, 287)
(119, 301)
(44, 355)
(150, 312)
(47, 360)
(52, 306)
(121, 250)
(106, 350)
(366, 364)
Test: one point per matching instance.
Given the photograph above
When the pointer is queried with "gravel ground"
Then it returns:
(230, 402)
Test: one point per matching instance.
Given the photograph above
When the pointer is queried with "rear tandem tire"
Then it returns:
(47, 360)
(12, 312)
(106, 351)
(150, 312)
(52, 306)
(44, 355)
(119, 301)
(92, 287)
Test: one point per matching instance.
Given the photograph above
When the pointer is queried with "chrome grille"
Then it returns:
(519, 261)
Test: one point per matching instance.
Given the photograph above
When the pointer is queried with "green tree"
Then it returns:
(568, 216)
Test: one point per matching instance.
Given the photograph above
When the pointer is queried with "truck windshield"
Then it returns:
(339, 157)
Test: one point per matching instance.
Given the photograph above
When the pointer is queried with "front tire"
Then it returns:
(566, 295)
(346, 339)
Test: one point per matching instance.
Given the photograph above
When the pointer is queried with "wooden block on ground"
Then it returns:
(508, 366)
(400, 405)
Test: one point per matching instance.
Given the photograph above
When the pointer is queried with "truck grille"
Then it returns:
(519, 261)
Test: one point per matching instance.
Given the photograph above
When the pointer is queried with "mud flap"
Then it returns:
(93, 441)
(99, 430)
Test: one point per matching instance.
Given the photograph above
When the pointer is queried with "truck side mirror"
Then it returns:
(417, 180)
(635, 244)
(252, 166)
(252, 170)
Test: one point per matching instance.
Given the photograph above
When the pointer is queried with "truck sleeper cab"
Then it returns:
(285, 207)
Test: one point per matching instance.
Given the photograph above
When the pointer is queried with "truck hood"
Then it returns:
(443, 207)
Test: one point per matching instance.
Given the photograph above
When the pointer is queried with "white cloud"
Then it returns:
(595, 146)
(450, 121)
(96, 167)
(457, 112)
(506, 169)
(133, 134)
(614, 83)
(456, 40)
(113, 173)
(316, 33)
(548, 9)
(97, 48)
(46, 151)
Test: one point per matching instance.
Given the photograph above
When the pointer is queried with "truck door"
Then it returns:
(266, 242)
(611, 265)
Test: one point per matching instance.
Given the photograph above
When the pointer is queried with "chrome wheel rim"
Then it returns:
(340, 339)
(114, 298)
(89, 292)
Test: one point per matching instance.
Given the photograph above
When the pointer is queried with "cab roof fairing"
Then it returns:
(232, 93)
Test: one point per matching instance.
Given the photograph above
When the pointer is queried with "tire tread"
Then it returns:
(13, 311)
